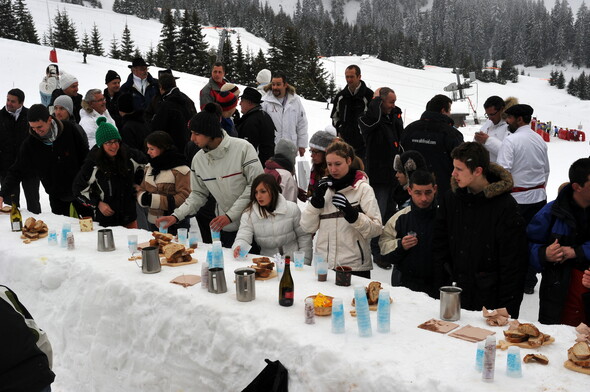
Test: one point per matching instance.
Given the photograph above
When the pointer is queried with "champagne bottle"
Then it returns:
(16, 219)
(286, 286)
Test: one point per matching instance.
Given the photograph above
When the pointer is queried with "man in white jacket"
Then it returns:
(286, 111)
(524, 155)
(94, 105)
(225, 168)
(495, 129)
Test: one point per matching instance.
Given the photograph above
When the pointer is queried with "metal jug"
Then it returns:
(217, 283)
(450, 303)
(150, 260)
(106, 243)
(245, 286)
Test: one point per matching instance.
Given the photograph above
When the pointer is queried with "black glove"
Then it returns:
(146, 199)
(317, 199)
(341, 202)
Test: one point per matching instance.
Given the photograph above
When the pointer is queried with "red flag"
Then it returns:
(53, 56)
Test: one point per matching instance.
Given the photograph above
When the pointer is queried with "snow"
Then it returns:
(114, 328)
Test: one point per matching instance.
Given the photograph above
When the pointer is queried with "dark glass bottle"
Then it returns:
(286, 286)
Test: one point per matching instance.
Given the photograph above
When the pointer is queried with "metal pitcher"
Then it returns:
(217, 283)
(245, 284)
(450, 303)
(150, 260)
(106, 242)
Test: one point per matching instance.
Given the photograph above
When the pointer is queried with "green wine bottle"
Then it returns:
(286, 286)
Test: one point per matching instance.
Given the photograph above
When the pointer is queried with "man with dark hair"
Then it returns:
(53, 151)
(284, 106)
(524, 155)
(495, 129)
(407, 236)
(111, 95)
(140, 84)
(225, 168)
(173, 112)
(349, 105)
(216, 81)
(435, 137)
(479, 235)
(382, 127)
(255, 125)
(560, 249)
(14, 129)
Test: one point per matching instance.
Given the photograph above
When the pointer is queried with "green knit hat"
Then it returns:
(105, 131)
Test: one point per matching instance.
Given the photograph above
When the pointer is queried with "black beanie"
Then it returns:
(111, 75)
(207, 122)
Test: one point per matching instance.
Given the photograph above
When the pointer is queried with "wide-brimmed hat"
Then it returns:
(138, 62)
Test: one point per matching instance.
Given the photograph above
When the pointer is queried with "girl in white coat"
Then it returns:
(272, 221)
(344, 213)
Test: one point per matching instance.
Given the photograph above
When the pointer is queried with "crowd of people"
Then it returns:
(416, 199)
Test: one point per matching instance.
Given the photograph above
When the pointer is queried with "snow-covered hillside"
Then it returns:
(145, 33)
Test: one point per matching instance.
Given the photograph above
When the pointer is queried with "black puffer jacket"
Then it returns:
(257, 127)
(382, 134)
(12, 133)
(112, 185)
(172, 116)
(346, 112)
(56, 164)
(434, 137)
(480, 243)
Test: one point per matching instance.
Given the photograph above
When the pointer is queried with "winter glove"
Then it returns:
(317, 199)
(146, 199)
(341, 202)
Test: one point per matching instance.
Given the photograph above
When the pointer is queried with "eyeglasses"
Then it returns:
(111, 142)
(314, 151)
(491, 114)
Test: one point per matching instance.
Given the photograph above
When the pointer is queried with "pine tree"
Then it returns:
(312, 81)
(96, 39)
(239, 64)
(228, 58)
(167, 50)
(114, 51)
(25, 24)
(150, 56)
(572, 88)
(192, 49)
(64, 32)
(7, 21)
(86, 45)
(259, 62)
(560, 81)
(126, 52)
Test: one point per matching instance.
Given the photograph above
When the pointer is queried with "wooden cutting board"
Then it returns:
(164, 262)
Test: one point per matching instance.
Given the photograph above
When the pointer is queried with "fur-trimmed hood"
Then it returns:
(508, 102)
(290, 89)
(499, 178)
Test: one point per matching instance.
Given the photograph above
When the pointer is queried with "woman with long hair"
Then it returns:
(344, 213)
(272, 221)
(106, 180)
(166, 183)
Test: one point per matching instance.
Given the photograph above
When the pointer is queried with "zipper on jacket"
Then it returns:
(362, 254)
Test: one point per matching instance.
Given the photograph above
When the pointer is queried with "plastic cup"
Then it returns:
(52, 237)
(132, 243)
(182, 236)
(193, 239)
(299, 258)
(163, 229)
(215, 235)
(244, 249)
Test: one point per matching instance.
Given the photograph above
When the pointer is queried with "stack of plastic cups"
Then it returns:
(363, 317)
(479, 356)
(65, 229)
(513, 366)
(383, 312)
(182, 236)
(337, 316)
(163, 229)
(215, 235)
(217, 255)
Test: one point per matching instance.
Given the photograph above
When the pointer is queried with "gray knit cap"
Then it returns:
(287, 149)
(321, 140)
(66, 102)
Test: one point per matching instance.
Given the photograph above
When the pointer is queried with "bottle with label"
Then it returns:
(286, 286)
(16, 219)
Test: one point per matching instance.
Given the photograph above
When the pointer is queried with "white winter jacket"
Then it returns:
(226, 173)
(343, 243)
(281, 229)
(88, 123)
(290, 120)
